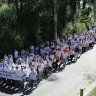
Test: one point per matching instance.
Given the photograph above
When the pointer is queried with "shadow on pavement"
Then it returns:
(8, 88)
(28, 90)
(53, 77)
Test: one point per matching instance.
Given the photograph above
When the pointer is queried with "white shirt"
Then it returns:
(42, 51)
(6, 58)
(70, 38)
(86, 44)
(45, 63)
(65, 55)
(29, 59)
(58, 41)
(52, 57)
(27, 71)
(50, 63)
(35, 65)
(72, 42)
(25, 65)
(32, 48)
(33, 75)
(46, 50)
(71, 52)
(11, 64)
(15, 54)
(19, 67)
(75, 45)
(42, 66)
(7, 68)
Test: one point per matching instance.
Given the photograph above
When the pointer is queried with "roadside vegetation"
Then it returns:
(23, 22)
(93, 92)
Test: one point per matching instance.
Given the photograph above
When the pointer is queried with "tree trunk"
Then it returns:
(8, 2)
(95, 11)
(73, 8)
(21, 10)
(17, 10)
(55, 20)
(84, 3)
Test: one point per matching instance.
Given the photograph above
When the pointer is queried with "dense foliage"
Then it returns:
(23, 22)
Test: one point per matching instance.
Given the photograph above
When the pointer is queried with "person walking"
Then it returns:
(33, 77)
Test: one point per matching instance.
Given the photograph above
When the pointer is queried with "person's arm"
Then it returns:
(29, 76)
(36, 73)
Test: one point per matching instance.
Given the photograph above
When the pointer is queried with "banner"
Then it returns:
(19, 75)
(1, 64)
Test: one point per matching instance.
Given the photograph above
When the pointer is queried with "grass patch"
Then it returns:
(93, 92)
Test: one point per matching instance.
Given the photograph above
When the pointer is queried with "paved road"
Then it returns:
(69, 81)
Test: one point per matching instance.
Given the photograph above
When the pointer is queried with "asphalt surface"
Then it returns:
(79, 75)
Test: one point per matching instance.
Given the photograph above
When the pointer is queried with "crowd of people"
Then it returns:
(40, 61)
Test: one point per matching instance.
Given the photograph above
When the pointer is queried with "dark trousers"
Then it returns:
(71, 58)
(32, 82)
(83, 49)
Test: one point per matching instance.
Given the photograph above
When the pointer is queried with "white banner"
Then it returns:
(1, 64)
(12, 75)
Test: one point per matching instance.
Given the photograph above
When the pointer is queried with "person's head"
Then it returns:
(33, 60)
(16, 62)
(16, 68)
(3, 66)
(32, 68)
(22, 69)
(12, 67)
(5, 55)
(6, 67)
(25, 61)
